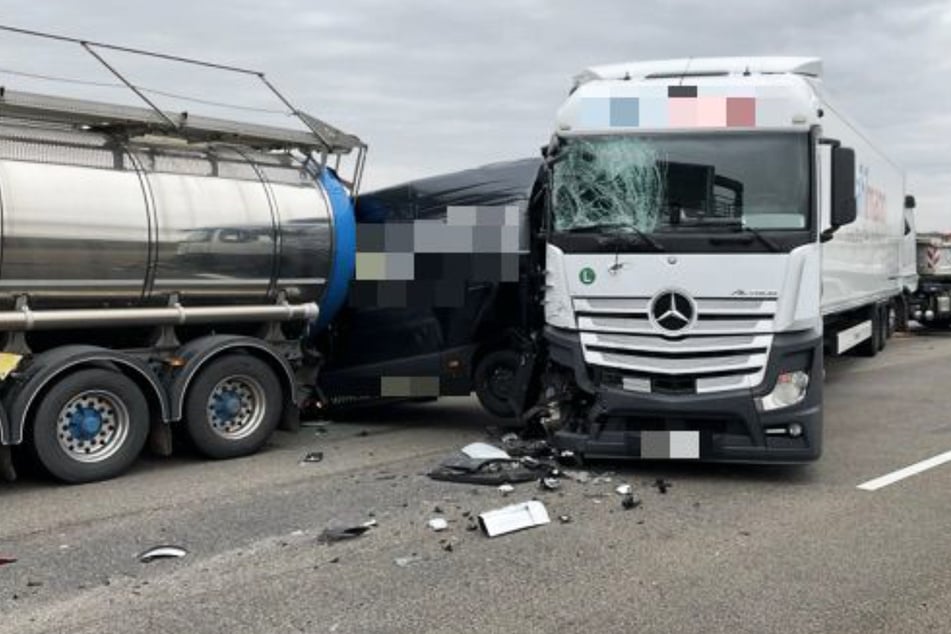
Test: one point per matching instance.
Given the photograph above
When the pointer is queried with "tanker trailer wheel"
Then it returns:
(493, 379)
(90, 425)
(233, 406)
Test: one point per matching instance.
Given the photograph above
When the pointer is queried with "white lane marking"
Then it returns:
(907, 472)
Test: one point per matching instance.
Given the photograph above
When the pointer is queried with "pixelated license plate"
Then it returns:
(682, 445)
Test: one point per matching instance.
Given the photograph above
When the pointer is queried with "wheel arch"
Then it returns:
(45, 368)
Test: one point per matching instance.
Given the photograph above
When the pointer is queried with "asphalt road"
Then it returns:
(727, 549)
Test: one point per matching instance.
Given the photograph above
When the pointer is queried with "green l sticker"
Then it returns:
(586, 275)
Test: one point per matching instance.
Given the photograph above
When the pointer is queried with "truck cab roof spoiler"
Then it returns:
(702, 67)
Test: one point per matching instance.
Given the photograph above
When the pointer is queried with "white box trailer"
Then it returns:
(713, 226)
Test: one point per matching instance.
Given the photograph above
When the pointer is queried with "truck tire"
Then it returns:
(90, 425)
(493, 379)
(233, 406)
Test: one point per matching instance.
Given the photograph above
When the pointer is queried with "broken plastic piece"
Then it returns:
(485, 451)
(162, 552)
(313, 456)
(497, 468)
(505, 489)
(624, 489)
(564, 519)
(630, 501)
(342, 533)
(662, 485)
(513, 518)
(438, 524)
(549, 484)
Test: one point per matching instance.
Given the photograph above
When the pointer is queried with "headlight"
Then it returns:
(790, 389)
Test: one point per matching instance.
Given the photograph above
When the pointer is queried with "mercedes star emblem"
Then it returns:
(672, 311)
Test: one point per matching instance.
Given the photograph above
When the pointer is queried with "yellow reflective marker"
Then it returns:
(8, 363)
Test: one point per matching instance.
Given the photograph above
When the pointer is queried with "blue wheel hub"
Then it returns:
(227, 405)
(85, 423)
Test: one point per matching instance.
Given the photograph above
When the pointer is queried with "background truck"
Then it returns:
(161, 268)
(930, 303)
(713, 225)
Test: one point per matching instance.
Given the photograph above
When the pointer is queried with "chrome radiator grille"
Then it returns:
(725, 347)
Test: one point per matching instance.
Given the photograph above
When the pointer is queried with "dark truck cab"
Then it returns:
(437, 306)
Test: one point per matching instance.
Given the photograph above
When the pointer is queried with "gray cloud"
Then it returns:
(434, 86)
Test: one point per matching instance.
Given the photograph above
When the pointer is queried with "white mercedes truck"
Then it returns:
(713, 226)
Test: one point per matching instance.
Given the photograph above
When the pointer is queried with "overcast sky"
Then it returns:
(436, 86)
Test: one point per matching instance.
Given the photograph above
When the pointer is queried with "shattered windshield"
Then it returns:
(662, 183)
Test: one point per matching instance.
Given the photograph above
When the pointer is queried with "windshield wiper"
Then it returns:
(741, 228)
(621, 228)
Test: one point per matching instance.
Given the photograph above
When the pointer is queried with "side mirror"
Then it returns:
(844, 210)
(909, 201)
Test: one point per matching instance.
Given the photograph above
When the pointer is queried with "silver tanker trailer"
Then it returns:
(160, 269)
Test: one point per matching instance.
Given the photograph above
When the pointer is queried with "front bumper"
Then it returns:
(731, 429)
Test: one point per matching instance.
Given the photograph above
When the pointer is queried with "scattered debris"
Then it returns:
(313, 456)
(505, 489)
(447, 545)
(438, 510)
(630, 501)
(472, 524)
(162, 552)
(343, 533)
(33, 583)
(568, 457)
(402, 562)
(438, 524)
(624, 489)
(601, 479)
(513, 518)
(482, 463)
(517, 447)
(530, 462)
(662, 485)
(564, 519)
(549, 484)
(7, 559)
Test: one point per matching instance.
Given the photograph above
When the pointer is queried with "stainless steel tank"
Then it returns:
(89, 221)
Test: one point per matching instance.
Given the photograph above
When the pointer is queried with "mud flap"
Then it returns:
(7, 472)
